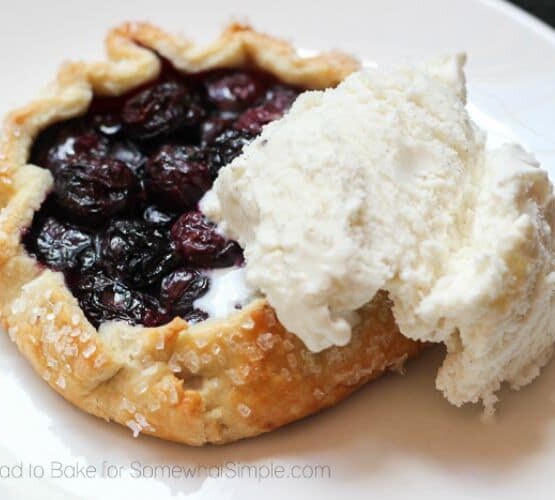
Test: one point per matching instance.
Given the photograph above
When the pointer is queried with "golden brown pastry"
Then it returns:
(211, 382)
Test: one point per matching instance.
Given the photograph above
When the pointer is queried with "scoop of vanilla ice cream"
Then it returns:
(385, 183)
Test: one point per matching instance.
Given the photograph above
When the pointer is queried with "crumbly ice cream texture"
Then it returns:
(385, 183)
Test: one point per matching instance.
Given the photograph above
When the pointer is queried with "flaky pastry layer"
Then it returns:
(213, 382)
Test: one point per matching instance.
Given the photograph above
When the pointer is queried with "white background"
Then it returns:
(395, 438)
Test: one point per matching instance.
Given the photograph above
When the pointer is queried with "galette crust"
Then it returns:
(214, 382)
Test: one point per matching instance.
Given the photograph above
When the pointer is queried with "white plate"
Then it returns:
(395, 438)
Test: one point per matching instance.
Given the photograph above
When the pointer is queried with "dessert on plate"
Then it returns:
(124, 297)
(206, 243)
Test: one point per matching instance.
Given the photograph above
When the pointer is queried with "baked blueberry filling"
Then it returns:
(122, 221)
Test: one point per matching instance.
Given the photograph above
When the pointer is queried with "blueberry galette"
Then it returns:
(109, 271)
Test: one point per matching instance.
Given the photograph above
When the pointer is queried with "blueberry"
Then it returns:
(198, 242)
(104, 299)
(281, 96)
(93, 189)
(161, 110)
(177, 176)
(64, 247)
(181, 288)
(226, 147)
(72, 142)
(136, 253)
(253, 119)
(277, 101)
(233, 91)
